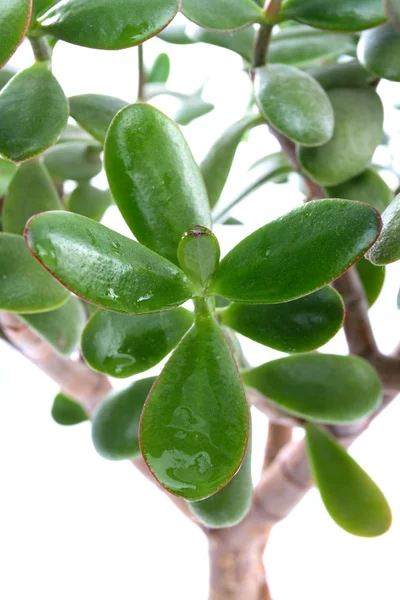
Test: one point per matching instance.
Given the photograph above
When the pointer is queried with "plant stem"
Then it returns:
(271, 10)
(141, 96)
(41, 49)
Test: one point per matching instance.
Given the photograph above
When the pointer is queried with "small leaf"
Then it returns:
(342, 75)
(25, 286)
(194, 427)
(232, 221)
(319, 387)
(387, 248)
(33, 113)
(160, 70)
(61, 328)
(89, 201)
(341, 15)
(368, 187)
(350, 496)
(175, 34)
(79, 161)
(95, 112)
(67, 411)
(295, 104)
(298, 326)
(198, 255)
(6, 73)
(108, 25)
(379, 52)
(223, 15)
(192, 108)
(14, 20)
(241, 42)
(393, 10)
(154, 179)
(73, 133)
(372, 279)
(359, 120)
(104, 267)
(7, 171)
(124, 345)
(115, 423)
(31, 191)
(297, 254)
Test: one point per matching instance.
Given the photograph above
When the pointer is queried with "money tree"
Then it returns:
(87, 304)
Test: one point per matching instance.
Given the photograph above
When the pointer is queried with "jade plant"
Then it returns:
(88, 305)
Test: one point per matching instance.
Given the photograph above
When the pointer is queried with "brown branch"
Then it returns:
(278, 437)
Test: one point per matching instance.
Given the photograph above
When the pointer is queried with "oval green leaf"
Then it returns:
(350, 496)
(368, 187)
(342, 75)
(319, 387)
(198, 254)
(94, 112)
(154, 179)
(7, 171)
(387, 248)
(89, 201)
(78, 161)
(175, 34)
(192, 108)
(67, 412)
(159, 72)
(379, 52)
(223, 15)
(372, 279)
(194, 427)
(14, 21)
(241, 42)
(104, 267)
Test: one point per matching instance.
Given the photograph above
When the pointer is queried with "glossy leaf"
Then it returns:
(89, 201)
(14, 21)
(154, 179)
(223, 15)
(104, 267)
(298, 326)
(108, 25)
(372, 279)
(358, 131)
(379, 52)
(67, 412)
(79, 161)
(198, 255)
(393, 10)
(297, 254)
(115, 424)
(124, 345)
(368, 187)
(175, 34)
(319, 387)
(194, 427)
(94, 112)
(342, 75)
(33, 113)
(387, 248)
(192, 108)
(217, 165)
(31, 191)
(160, 69)
(6, 73)
(241, 42)
(350, 496)
(341, 15)
(295, 104)
(7, 171)
(25, 286)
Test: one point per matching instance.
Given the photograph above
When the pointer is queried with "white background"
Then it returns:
(75, 526)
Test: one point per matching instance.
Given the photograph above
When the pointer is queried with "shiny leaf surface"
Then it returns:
(387, 248)
(379, 52)
(79, 161)
(89, 201)
(67, 412)
(14, 21)
(372, 279)
(198, 255)
(368, 187)
(94, 112)
(223, 15)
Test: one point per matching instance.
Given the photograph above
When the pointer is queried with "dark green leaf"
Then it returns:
(393, 10)
(350, 496)
(7, 171)
(175, 34)
(379, 52)
(198, 255)
(368, 187)
(89, 201)
(104, 267)
(160, 70)
(387, 248)
(79, 161)
(223, 15)
(192, 108)
(6, 73)
(241, 42)
(14, 21)
(41, 5)
(372, 279)
(341, 75)
(68, 412)
(95, 112)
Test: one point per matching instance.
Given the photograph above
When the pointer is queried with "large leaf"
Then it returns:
(340, 15)
(241, 42)
(33, 113)
(297, 326)
(79, 161)
(104, 267)
(297, 254)
(194, 427)
(67, 412)
(31, 191)
(95, 112)
(368, 187)
(123, 345)
(358, 131)
(7, 171)
(154, 179)
(393, 10)
(319, 387)
(372, 279)
(89, 201)
(14, 21)
(25, 287)
(342, 75)
(379, 52)
(62, 327)
(223, 15)
(295, 104)
(350, 496)
(108, 24)
(115, 427)
(387, 248)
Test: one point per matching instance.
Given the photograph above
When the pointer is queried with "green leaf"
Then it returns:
(368, 187)
(25, 286)
(33, 113)
(297, 254)
(217, 165)
(350, 496)
(108, 25)
(358, 131)
(198, 255)
(232, 221)
(6, 73)
(115, 423)
(89, 201)
(298, 326)
(154, 179)
(319, 387)
(387, 248)
(124, 345)
(223, 15)
(7, 170)
(79, 161)
(241, 41)
(62, 327)
(73, 133)
(160, 70)
(192, 108)
(104, 267)
(175, 34)
(14, 20)
(229, 506)
(67, 412)
(341, 15)
(194, 427)
(372, 279)
(95, 112)
(295, 104)
(379, 52)
(393, 11)
(342, 75)
(40, 5)
(31, 191)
